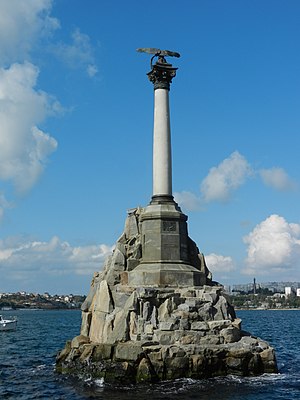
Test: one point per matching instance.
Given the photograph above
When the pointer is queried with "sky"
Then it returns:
(76, 123)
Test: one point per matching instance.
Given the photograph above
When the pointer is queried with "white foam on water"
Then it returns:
(99, 382)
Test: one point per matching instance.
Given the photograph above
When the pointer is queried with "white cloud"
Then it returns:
(277, 178)
(273, 246)
(222, 180)
(20, 258)
(22, 24)
(219, 263)
(78, 54)
(91, 70)
(187, 200)
(24, 148)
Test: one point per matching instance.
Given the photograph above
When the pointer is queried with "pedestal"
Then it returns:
(165, 254)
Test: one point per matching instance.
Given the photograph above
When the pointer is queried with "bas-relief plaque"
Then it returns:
(169, 226)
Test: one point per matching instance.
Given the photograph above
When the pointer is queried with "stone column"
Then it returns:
(161, 76)
(162, 158)
(166, 259)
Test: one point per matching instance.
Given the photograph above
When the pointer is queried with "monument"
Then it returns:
(167, 255)
(154, 312)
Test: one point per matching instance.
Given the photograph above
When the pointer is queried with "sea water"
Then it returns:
(27, 361)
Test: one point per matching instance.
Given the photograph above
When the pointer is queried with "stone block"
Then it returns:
(218, 325)
(255, 365)
(120, 331)
(131, 225)
(163, 274)
(86, 318)
(157, 363)
(119, 298)
(237, 322)
(118, 260)
(210, 297)
(124, 278)
(262, 345)
(168, 325)
(133, 328)
(108, 328)
(103, 351)
(79, 341)
(146, 310)
(131, 303)
(205, 312)
(193, 302)
(145, 372)
(121, 247)
(177, 367)
(165, 310)
(97, 326)
(198, 366)
(184, 307)
(86, 353)
(132, 263)
(153, 318)
(223, 310)
(164, 337)
(86, 305)
(103, 298)
(210, 340)
(249, 341)
(267, 355)
(63, 354)
(191, 338)
(234, 363)
(184, 324)
(129, 351)
(231, 334)
(176, 351)
(148, 329)
(239, 352)
(200, 326)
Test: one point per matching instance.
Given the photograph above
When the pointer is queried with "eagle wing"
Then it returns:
(158, 52)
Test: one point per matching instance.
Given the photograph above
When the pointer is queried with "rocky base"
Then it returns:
(177, 326)
(136, 362)
(152, 334)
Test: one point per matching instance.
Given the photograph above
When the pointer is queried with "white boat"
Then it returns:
(7, 324)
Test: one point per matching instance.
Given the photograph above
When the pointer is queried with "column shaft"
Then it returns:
(162, 159)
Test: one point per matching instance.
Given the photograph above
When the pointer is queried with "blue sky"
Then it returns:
(76, 117)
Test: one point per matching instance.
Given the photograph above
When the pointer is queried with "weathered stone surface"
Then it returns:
(129, 351)
(121, 327)
(177, 367)
(103, 299)
(102, 351)
(97, 326)
(199, 326)
(133, 327)
(86, 318)
(87, 304)
(148, 333)
(268, 359)
(231, 334)
(78, 341)
(145, 371)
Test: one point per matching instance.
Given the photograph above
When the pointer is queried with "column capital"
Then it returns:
(162, 74)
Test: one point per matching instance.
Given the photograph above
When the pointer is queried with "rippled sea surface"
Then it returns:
(27, 358)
